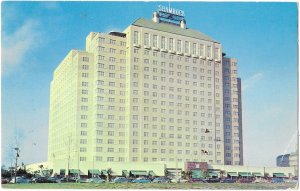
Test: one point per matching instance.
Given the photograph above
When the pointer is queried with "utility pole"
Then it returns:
(17, 155)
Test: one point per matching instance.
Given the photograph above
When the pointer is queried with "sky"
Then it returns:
(36, 36)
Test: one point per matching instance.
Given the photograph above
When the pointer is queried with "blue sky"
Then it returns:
(36, 36)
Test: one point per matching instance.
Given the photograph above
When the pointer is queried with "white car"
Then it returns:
(179, 180)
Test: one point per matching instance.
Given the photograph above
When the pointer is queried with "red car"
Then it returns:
(4, 181)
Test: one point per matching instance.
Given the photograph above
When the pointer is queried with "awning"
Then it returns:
(94, 171)
(212, 174)
(257, 174)
(138, 173)
(245, 174)
(279, 175)
(104, 172)
(232, 174)
(151, 173)
(74, 171)
(197, 174)
(125, 173)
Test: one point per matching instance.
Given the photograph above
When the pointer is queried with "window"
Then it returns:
(101, 39)
(136, 37)
(82, 158)
(83, 133)
(111, 41)
(155, 38)
(163, 42)
(86, 59)
(202, 50)
(85, 67)
(146, 39)
(217, 53)
(179, 45)
(209, 52)
(194, 50)
(171, 44)
(85, 75)
(186, 47)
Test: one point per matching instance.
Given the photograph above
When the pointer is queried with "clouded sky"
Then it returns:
(36, 36)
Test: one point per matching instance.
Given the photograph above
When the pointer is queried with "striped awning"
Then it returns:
(125, 173)
(212, 174)
(257, 174)
(232, 174)
(138, 173)
(74, 171)
(279, 175)
(94, 171)
(245, 174)
(197, 174)
(151, 173)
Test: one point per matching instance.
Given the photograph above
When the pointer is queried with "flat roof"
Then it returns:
(141, 22)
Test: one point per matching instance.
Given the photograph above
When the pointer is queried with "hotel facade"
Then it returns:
(157, 95)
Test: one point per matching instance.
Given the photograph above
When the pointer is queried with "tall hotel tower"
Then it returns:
(153, 93)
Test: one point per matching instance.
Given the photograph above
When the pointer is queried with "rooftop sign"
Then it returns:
(170, 10)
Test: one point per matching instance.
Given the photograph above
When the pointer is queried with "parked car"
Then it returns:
(200, 180)
(21, 180)
(212, 180)
(179, 180)
(121, 180)
(141, 180)
(4, 181)
(64, 179)
(95, 180)
(277, 180)
(245, 180)
(54, 180)
(41, 180)
(227, 180)
(161, 180)
(290, 180)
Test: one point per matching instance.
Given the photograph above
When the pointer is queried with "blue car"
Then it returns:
(277, 180)
(141, 180)
(161, 180)
(121, 180)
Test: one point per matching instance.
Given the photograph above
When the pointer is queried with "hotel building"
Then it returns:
(156, 93)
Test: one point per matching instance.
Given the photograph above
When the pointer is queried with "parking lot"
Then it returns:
(219, 186)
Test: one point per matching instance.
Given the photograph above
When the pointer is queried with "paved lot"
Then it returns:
(203, 186)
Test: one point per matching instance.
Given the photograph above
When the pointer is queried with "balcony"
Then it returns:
(136, 45)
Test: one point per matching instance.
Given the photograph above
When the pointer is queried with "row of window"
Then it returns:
(111, 50)
(111, 67)
(176, 45)
(202, 63)
(146, 159)
(111, 59)
(111, 41)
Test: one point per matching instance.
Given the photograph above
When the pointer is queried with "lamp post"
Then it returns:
(16, 165)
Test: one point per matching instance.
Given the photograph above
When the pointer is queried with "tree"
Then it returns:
(222, 172)
(189, 174)
(109, 172)
(183, 174)
(205, 174)
(41, 167)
